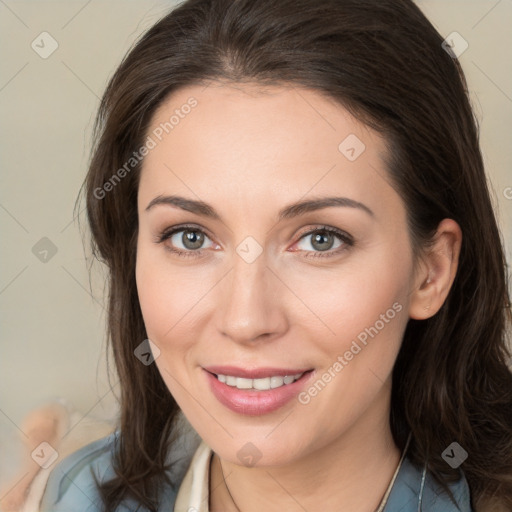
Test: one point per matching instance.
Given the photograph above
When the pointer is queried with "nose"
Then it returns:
(251, 304)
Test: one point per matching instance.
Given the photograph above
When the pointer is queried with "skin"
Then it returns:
(249, 152)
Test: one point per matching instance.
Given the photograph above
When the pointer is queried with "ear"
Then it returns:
(436, 271)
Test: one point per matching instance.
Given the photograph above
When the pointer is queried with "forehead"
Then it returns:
(225, 113)
(283, 140)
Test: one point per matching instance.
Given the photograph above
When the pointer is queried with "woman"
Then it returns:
(304, 261)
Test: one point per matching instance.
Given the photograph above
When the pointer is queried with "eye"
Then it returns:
(322, 240)
(184, 240)
(187, 241)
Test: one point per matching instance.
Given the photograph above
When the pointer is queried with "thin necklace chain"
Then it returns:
(384, 500)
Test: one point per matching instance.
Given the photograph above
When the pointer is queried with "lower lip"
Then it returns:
(255, 403)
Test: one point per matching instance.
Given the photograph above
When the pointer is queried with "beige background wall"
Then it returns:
(52, 341)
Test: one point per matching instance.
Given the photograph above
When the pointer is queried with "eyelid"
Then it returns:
(169, 231)
(324, 227)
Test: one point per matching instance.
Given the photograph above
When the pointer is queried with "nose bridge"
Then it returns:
(249, 302)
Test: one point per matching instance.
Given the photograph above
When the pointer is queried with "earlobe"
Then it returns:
(438, 270)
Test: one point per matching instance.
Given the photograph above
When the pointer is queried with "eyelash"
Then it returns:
(344, 237)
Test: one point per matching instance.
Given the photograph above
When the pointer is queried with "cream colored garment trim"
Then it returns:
(193, 492)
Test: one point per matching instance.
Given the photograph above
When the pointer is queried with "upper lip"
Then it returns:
(254, 373)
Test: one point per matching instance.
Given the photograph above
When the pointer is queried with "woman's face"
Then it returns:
(261, 290)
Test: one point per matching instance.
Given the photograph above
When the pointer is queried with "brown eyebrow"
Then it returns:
(288, 212)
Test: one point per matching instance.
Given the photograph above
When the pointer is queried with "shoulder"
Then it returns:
(436, 500)
(415, 490)
(71, 484)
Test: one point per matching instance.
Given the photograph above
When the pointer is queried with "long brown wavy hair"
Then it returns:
(384, 62)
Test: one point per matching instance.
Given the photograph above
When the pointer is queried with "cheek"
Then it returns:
(164, 305)
(153, 296)
(161, 295)
(364, 306)
(366, 316)
(174, 304)
(369, 292)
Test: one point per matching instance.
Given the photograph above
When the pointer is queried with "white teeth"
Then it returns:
(258, 384)
(261, 384)
(276, 382)
(230, 381)
(243, 383)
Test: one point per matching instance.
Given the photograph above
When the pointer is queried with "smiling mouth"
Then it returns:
(256, 391)
(264, 384)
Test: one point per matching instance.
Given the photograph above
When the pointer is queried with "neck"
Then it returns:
(354, 470)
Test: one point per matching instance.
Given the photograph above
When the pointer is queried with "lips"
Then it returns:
(257, 391)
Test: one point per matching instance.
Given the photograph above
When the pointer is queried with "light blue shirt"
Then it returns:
(71, 486)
